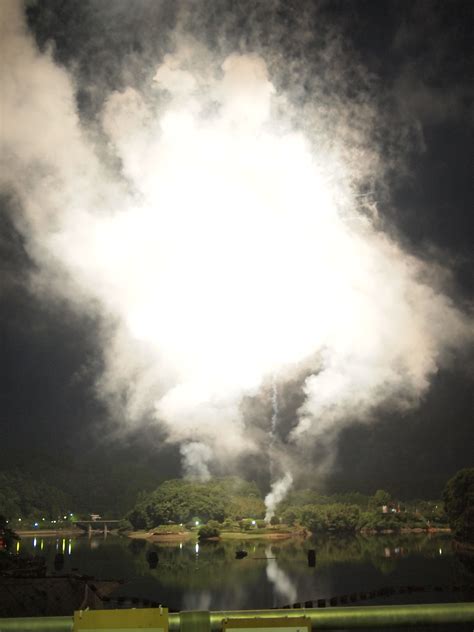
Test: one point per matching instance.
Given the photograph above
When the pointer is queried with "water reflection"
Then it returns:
(200, 600)
(189, 575)
(59, 561)
(137, 546)
(152, 558)
(284, 588)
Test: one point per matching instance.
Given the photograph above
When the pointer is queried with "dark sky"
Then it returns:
(418, 55)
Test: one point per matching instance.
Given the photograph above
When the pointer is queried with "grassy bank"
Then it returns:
(283, 532)
(173, 533)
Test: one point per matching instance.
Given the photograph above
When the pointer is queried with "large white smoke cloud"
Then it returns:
(231, 248)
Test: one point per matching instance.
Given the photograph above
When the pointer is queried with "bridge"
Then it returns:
(96, 525)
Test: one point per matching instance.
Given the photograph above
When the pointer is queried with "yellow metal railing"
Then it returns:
(158, 619)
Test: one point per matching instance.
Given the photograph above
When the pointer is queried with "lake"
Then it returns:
(274, 574)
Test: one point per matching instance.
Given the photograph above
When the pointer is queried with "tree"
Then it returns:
(379, 499)
(289, 516)
(312, 518)
(182, 501)
(458, 496)
(336, 518)
(7, 535)
(206, 532)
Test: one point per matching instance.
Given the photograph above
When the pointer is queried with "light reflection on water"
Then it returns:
(190, 575)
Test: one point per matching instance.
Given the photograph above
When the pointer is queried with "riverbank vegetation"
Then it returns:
(458, 499)
(230, 507)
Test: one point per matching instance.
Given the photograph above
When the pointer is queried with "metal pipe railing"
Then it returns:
(38, 624)
(321, 619)
(362, 616)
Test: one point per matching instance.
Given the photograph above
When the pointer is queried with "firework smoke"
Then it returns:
(155, 215)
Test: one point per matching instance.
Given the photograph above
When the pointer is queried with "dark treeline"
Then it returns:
(22, 496)
(230, 502)
(106, 481)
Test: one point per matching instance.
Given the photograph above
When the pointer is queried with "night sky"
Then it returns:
(412, 64)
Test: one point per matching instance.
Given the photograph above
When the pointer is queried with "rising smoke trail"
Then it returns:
(273, 426)
(279, 487)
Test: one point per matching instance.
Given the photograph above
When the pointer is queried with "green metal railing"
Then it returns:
(321, 619)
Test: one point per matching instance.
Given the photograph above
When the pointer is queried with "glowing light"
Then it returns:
(63, 545)
(180, 545)
(36, 524)
(441, 551)
(17, 546)
(254, 522)
(196, 548)
(69, 548)
(197, 523)
(41, 544)
(34, 543)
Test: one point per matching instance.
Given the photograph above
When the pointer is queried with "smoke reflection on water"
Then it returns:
(197, 600)
(283, 586)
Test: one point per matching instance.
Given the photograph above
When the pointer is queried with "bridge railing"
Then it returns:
(381, 617)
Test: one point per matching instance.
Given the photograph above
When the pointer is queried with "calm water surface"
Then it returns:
(208, 577)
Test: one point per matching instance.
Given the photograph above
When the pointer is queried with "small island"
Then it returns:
(230, 508)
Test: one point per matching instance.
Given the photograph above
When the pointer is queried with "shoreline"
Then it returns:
(225, 535)
(284, 535)
(49, 532)
(404, 531)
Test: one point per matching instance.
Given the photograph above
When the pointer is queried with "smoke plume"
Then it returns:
(214, 219)
(277, 494)
(196, 457)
